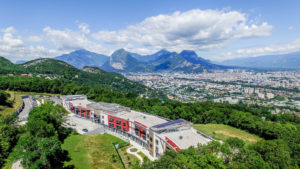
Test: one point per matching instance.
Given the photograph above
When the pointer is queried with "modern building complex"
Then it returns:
(154, 133)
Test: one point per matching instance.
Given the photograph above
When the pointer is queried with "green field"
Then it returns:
(96, 151)
(223, 132)
(16, 96)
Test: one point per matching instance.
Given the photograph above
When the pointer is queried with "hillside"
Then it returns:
(81, 58)
(285, 61)
(55, 69)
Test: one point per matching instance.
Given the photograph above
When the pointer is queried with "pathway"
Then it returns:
(17, 165)
(135, 154)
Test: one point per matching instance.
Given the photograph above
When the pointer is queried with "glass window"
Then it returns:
(118, 122)
(111, 119)
(156, 141)
(150, 138)
(118, 127)
(124, 124)
(124, 129)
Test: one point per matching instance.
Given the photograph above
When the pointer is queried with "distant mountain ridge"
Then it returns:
(82, 58)
(161, 61)
(285, 61)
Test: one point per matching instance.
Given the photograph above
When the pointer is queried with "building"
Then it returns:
(154, 133)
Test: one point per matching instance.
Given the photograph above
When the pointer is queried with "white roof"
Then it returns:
(141, 117)
(186, 138)
(82, 103)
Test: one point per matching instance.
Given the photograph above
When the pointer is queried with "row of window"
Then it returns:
(111, 125)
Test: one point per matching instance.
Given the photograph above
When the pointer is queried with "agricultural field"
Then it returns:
(223, 132)
(96, 151)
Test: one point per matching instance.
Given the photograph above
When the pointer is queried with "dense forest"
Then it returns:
(91, 76)
(280, 149)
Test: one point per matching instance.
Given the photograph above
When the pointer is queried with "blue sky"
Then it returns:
(216, 30)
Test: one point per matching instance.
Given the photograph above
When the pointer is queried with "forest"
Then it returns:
(279, 149)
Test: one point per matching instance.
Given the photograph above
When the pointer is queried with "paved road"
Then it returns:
(28, 106)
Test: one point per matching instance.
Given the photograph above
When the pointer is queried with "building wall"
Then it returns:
(104, 118)
(113, 122)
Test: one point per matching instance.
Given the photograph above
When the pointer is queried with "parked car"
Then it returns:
(85, 130)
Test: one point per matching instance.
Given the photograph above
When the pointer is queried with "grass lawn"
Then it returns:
(223, 132)
(4, 110)
(96, 151)
(143, 155)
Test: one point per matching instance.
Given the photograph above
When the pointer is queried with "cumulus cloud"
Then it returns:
(34, 39)
(14, 48)
(194, 29)
(84, 27)
(68, 40)
(290, 47)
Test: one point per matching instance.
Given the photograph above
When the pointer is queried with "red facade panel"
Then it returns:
(115, 121)
(172, 144)
(140, 128)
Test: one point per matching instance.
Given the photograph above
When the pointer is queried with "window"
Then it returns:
(144, 137)
(156, 142)
(124, 124)
(151, 145)
(119, 127)
(137, 132)
(102, 117)
(118, 122)
(111, 119)
(111, 125)
(151, 139)
(124, 129)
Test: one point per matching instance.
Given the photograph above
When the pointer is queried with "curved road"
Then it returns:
(28, 106)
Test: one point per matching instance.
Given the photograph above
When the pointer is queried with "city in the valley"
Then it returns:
(278, 90)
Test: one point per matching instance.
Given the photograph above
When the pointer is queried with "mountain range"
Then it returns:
(187, 61)
(283, 61)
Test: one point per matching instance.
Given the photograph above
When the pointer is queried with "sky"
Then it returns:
(216, 29)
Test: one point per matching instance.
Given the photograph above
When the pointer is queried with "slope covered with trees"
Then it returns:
(55, 69)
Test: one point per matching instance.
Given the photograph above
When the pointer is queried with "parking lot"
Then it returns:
(79, 124)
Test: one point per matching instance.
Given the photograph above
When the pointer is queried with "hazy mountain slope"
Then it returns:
(289, 61)
(81, 58)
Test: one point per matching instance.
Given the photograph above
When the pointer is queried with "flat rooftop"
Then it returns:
(107, 108)
(144, 118)
(82, 103)
(186, 138)
(73, 97)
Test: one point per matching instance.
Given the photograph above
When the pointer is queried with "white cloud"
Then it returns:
(84, 27)
(194, 29)
(68, 40)
(14, 48)
(291, 28)
(34, 39)
(290, 47)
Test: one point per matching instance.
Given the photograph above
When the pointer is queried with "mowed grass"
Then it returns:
(16, 96)
(223, 132)
(96, 151)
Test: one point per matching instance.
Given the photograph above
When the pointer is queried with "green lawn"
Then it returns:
(96, 151)
(223, 132)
